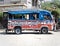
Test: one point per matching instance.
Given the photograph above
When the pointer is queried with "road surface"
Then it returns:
(30, 39)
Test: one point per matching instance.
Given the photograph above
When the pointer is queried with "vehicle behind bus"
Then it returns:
(37, 20)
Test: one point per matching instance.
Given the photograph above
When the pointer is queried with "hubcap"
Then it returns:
(44, 30)
(17, 31)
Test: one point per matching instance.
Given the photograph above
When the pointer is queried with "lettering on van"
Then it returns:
(17, 23)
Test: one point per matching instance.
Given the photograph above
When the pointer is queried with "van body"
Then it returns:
(37, 20)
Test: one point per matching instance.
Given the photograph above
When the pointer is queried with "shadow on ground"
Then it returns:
(58, 30)
(3, 33)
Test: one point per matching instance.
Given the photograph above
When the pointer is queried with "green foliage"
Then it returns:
(1, 14)
(53, 6)
(46, 5)
(56, 3)
(58, 11)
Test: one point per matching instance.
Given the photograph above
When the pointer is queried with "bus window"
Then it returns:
(17, 16)
(5, 16)
(25, 16)
(10, 16)
(34, 17)
(20, 16)
(47, 17)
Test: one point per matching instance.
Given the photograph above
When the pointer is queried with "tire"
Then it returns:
(44, 30)
(17, 30)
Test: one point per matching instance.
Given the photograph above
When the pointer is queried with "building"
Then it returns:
(6, 5)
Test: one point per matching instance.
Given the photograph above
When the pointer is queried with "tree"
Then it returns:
(56, 3)
(55, 14)
(40, 3)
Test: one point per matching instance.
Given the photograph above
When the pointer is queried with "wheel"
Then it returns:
(17, 30)
(44, 30)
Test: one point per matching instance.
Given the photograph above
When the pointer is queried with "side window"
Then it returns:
(10, 16)
(25, 16)
(21, 16)
(5, 15)
(34, 17)
(18, 16)
(47, 16)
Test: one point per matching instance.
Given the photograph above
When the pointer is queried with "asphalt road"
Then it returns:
(30, 39)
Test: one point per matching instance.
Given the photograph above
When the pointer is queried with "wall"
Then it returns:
(29, 3)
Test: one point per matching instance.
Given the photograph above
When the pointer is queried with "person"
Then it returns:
(34, 16)
(45, 17)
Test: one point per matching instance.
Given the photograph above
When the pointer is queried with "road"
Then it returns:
(30, 39)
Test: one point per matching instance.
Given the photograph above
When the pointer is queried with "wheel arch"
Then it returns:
(44, 27)
(17, 27)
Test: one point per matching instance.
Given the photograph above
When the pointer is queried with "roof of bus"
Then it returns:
(26, 11)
